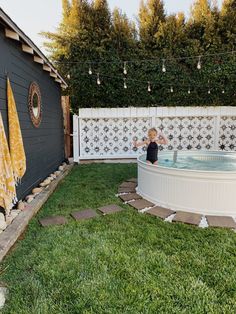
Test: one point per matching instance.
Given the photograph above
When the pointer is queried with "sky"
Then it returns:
(34, 16)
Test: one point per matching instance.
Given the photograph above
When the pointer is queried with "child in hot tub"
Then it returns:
(154, 138)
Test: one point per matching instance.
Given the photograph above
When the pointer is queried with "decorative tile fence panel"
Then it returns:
(109, 133)
(227, 136)
(186, 133)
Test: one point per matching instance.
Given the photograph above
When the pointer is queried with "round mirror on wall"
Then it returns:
(34, 104)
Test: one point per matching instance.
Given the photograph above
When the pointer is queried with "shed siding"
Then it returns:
(44, 146)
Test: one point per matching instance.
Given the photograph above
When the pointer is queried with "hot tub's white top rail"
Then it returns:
(96, 113)
(181, 172)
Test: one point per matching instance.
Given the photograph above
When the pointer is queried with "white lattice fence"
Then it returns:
(109, 133)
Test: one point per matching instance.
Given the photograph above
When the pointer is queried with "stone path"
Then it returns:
(110, 209)
(127, 193)
(84, 214)
(160, 212)
(221, 221)
(54, 220)
(127, 190)
(141, 204)
(187, 218)
(130, 197)
(80, 215)
(131, 185)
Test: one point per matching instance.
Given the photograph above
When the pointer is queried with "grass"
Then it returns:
(122, 263)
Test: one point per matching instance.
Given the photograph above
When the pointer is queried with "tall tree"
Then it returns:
(151, 15)
(123, 32)
(171, 36)
(203, 26)
(101, 23)
(74, 21)
(91, 40)
(228, 23)
(65, 11)
(200, 10)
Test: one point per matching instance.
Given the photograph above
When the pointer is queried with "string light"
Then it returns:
(98, 79)
(90, 70)
(232, 52)
(209, 90)
(125, 85)
(68, 76)
(125, 68)
(199, 64)
(149, 87)
(163, 66)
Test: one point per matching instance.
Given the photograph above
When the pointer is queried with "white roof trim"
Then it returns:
(29, 42)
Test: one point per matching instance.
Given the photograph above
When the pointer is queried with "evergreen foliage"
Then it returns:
(91, 36)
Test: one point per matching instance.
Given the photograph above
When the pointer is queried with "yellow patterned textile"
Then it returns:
(7, 182)
(17, 151)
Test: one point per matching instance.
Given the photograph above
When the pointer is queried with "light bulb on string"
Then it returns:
(163, 66)
(149, 87)
(223, 91)
(189, 91)
(125, 84)
(209, 90)
(125, 68)
(171, 89)
(68, 76)
(98, 79)
(90, 70)
(199, 64)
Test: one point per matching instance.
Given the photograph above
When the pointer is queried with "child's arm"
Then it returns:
(163, 139)
(138, 144)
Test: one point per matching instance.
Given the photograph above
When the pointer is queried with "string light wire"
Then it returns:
(150, 60)
(170, 85)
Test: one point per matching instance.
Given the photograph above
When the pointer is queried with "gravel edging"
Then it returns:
(9, 237)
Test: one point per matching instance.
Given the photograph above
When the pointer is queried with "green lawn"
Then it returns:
(122, 263)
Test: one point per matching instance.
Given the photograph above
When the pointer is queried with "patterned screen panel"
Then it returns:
(113, 137)
(187, 133)
(227, 139)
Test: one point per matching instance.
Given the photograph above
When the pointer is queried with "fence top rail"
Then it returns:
(149, 112)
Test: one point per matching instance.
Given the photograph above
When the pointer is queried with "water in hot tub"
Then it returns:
(204, 162)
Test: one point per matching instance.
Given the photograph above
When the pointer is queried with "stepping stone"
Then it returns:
(51, 221)
(126, 190)
(221, 221)
(135, 180)
(128, 185)
(141, 204)
(160, 212)
(130, 197)
(84, 214)
(110, 209)
(187, 218)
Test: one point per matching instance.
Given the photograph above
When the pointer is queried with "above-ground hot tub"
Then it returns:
(194, 181)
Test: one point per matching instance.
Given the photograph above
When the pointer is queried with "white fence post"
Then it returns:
(76, 138)
(217, 131)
